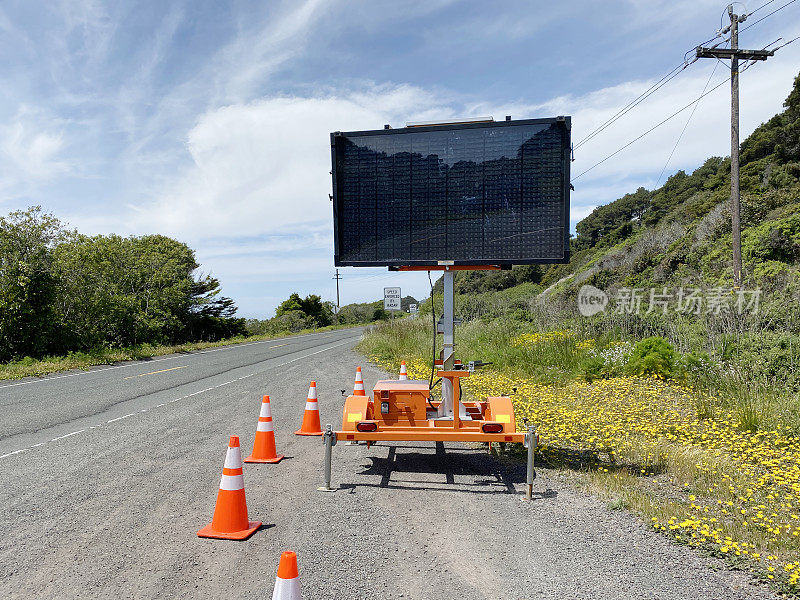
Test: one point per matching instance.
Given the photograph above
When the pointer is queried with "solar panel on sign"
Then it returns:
(478, 193)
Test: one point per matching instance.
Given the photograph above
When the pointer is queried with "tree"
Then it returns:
(319, 313)
(27, 284)
(211, 318)
(128, 291)
(62, 291)
(292, 303)
(125, 291)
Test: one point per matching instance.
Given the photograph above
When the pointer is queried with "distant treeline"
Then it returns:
(61, 291)
(296, 313)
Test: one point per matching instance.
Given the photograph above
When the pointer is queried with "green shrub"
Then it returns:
(594, 368)
(696, 364)
(652, 356)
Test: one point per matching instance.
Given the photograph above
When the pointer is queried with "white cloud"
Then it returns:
(31, 149)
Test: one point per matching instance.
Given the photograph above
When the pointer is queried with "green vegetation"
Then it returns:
(30, 367)
(296, 314)
(652, 356)
(62, 292)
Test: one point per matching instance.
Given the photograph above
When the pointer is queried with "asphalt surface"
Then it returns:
(106, 475)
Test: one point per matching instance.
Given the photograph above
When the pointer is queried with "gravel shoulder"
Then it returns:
(113, 513)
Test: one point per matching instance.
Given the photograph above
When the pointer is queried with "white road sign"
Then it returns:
(391, 298)
(412, 308)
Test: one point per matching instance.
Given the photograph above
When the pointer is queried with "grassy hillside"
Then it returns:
(691, 418)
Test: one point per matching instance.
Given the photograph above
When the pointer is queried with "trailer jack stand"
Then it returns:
(530, 444)
(329, 439)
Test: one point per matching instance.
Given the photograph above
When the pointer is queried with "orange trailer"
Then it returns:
(404, 410)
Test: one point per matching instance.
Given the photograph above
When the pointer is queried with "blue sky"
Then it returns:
(209, 121)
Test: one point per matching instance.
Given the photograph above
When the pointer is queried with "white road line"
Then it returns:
(138, 363)
(177, 399)
(66, 436)
(15, 452)
(120, 418)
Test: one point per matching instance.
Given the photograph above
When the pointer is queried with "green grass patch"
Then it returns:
(30, 367)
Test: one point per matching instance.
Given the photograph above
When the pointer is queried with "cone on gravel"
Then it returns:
(264, 444)
(230, 520)
(358, 387)
(287, 583)
(311, 424)
(403, 371)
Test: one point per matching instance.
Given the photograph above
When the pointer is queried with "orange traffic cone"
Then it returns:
(264, 444)
(287, 583)
(230, 515)
(403, 371)
(311, 424)
(358, 388)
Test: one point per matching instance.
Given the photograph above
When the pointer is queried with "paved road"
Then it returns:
(106, 475)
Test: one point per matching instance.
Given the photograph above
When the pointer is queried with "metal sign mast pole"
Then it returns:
(446, 407)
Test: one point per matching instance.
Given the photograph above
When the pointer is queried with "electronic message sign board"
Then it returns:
(485, 193)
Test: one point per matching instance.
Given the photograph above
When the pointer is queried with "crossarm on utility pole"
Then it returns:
(725, 53)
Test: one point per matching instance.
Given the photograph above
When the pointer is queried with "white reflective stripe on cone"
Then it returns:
(312, 393)
(233, 459)
(312, 406)
(231, 482)
(265, 426)
(266, 411)
(287, 589)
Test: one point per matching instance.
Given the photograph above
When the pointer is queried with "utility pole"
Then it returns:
(734, 53)
(337, 277)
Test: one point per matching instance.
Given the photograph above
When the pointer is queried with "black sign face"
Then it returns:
(473, 194)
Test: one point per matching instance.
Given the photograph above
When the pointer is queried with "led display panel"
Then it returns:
(487, 193)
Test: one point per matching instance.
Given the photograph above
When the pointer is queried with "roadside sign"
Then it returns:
(475, 193)
(412, 308)
(391, 298)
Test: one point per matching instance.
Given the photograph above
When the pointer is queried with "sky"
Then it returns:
(209, 121)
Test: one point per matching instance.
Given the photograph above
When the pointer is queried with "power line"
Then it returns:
(749, 64)
(678, 141)
(669, 76)
(656, 126)
(643, 96)
(674, 73)
(767, 15)
(760, 7)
